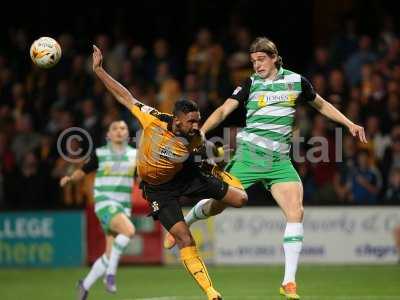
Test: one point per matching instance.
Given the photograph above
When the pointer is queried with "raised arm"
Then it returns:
(329, 111)
(239, 95)
(219, 115)
(113, 86)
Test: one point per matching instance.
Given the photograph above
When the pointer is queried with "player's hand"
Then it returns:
(97, 58)
(65, 180)
(357, 130)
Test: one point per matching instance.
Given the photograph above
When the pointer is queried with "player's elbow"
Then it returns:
(240, 199)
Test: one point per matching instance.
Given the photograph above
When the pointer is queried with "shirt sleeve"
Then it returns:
(242, 92)
(92, 164)
(308, 93)
(145, 114)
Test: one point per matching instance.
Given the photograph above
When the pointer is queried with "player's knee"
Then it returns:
(130, 232)
(295, 213)
(240, 199)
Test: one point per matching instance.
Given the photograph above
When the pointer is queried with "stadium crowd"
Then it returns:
(358, 73)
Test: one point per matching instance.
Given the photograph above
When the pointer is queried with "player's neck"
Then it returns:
(117, 147)
(272, 75)
(175, 129)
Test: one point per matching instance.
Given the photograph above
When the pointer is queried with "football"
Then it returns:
(45, 52)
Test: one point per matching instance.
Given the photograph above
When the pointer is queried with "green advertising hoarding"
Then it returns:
(40, 239)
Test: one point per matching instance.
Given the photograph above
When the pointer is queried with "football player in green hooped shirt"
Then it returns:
(115, 165)
(270, 96)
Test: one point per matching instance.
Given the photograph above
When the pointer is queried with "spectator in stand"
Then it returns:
(64, 99)
(364, 55)
(353, 110)
(239, 57)
(79, 78)
(161, 55)
(321, 63)
(308, 183)
(387, 35)
(391, 158)
(137, 56)
(7, 164)
(345, 43)
(322, 158)
(342, 178)
(391, 112)
(337, 85)
(170, 92)
(377, 95)
(193, 92)
(28, 186)
(26, 138)
(366, 181)
(392, 195)
(377, 141)
(320, 84)
(90, 120)
(19, 100)
(198, 53)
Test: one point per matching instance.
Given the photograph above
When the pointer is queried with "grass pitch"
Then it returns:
(235, 283)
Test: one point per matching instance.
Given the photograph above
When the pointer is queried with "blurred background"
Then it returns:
(199, 50)
(165, 50)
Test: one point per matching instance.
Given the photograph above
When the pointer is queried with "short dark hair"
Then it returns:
(185, 106)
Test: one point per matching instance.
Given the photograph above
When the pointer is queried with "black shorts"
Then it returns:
(193, 183)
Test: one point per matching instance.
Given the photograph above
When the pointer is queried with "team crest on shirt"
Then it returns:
(155, 206)
(290, 86)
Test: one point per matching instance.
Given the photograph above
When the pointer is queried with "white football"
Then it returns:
(45, 52)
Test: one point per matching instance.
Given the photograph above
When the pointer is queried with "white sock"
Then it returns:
(197, 212)
(98, 269)
(120, 242)
(292, 243)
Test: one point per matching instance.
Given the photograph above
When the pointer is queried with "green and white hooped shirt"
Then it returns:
(114, 177)
(270, 108)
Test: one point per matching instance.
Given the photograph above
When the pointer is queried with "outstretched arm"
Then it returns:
(219, 115)
(328, 110)
(113, 86)
(239, 95)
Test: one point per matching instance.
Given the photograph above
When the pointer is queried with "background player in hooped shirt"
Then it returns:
(115, 166)
(270, 97)
(168, 170)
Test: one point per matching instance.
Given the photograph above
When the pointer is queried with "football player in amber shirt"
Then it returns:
(166, 166)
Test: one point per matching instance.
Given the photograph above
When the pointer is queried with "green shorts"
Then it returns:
(275, 171)
(107, 213)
